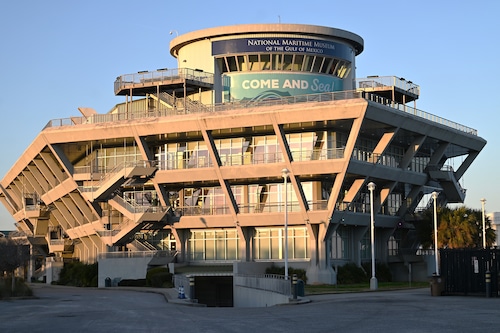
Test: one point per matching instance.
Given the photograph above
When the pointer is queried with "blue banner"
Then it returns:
(259, 86)
(283, 45)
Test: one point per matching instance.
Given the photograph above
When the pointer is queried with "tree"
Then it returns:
(13, 254)
(457, 228)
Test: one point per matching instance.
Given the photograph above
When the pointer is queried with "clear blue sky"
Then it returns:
(58, 55)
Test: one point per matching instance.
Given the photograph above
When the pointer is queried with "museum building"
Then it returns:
(259, 148)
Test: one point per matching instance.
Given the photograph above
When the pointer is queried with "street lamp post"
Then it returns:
(483, 201)
(434, 197)
(373, 280)
(284, 174)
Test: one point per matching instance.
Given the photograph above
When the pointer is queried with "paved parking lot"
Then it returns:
(67, 309)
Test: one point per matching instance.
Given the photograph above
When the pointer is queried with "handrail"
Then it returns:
(163, 76)
(119, 168)
(387, 81)
(310, 98)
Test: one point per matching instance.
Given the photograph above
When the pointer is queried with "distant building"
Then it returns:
(257, 149)
(494, 217)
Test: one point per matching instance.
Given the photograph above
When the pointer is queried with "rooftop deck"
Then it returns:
(167, 80)
(311, 98)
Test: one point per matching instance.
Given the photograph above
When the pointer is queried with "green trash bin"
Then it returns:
(300, 288)
(437, 285)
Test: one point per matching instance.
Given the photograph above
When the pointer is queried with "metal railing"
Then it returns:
(117, 169)
(161, 77)
(126, 254)
(311, 98)
(372, 82)
(136, 208)
(268, 282)
(268, 207)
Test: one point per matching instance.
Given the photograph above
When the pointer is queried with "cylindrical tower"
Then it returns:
(260, 61)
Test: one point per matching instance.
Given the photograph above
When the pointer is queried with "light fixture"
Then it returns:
(373, 280)
(483, 201)
(284, 174)
(434, 199)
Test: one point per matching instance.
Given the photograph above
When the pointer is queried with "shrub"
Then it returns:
(21, 289)
(301, 273)
(382, 271)
(157, 282)
(78, 274)
(161, 280)
(132, 283)
(351, 273)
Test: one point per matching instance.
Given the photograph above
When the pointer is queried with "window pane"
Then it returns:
(242, 64)
(265, 59)
(297, 62)
(231, 63)
(253, 60)
(287, 62)
(277, 61)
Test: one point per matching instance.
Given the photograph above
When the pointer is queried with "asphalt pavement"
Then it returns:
(69, 309)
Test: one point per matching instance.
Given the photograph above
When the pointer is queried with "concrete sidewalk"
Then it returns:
(171, 295)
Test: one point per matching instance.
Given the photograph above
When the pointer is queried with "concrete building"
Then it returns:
(494, 218)
(258, 148)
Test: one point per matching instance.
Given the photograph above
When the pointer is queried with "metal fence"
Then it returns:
(470, 271)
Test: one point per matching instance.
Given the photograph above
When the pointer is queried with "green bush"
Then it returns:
(21, 289)
(157, 282)
(382, 271)
(78, 274)
(351, 273)
(301, 273)
(162, 280)
(132, 283)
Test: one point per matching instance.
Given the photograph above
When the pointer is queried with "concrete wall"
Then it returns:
(52, 270)
(250, 297)
(260, 291)
(118, 269)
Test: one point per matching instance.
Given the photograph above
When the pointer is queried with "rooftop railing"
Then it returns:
(161, 77)
(374, 82)
(310, 98)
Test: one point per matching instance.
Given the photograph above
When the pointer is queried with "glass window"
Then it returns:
(265, 59)
(231, 64)
(297, 62)
(213, 245)
(253, 62)
(221, 63)
(269, 243)
(318, 63)
(307, 63)
(287, 62)
(343, 70)
(242, 64)
(277, 61)
(327, 66)
(340, 243)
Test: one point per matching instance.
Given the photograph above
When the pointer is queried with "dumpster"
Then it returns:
(437, 285)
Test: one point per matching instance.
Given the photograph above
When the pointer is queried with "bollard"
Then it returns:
(294, 286)
(488, 283)
(191, 288)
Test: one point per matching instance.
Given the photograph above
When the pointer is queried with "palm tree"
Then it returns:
(457, 228)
